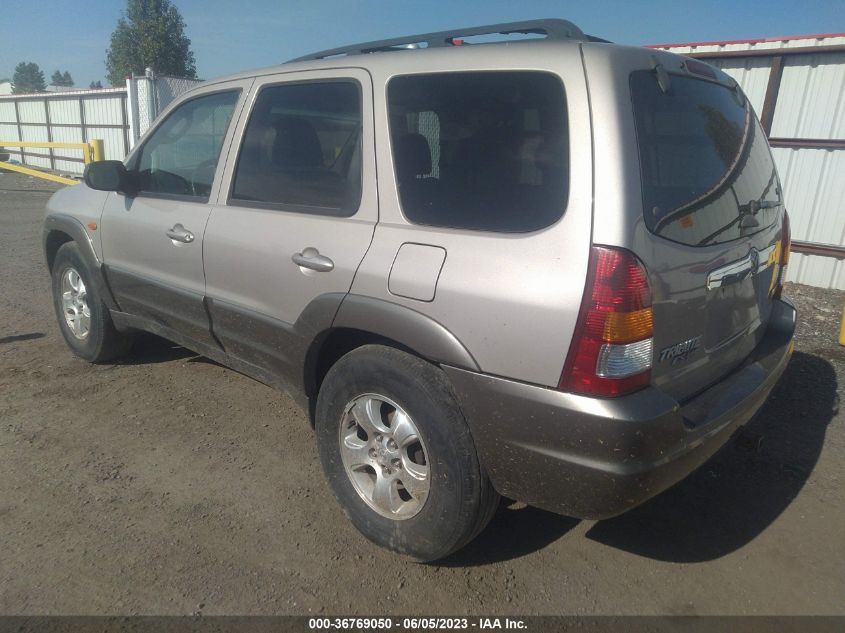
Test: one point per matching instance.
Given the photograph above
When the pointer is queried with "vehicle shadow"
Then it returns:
(149, 348)
(516, 530)
(738, 493)
(21, 337)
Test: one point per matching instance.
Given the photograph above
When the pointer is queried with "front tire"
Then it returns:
(84, 320)
(398, 454)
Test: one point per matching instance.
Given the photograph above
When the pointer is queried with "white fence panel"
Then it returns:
(32, 111)
(826, 272)
(9, 132)
(811, 103)
(752, 74)
(74, 117)
(67, 135)
(113, 140)
(64, 111)
(36, 134)
(103, 111)
(7, 113)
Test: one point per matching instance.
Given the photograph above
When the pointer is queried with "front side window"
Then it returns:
(302, 149)
(480, 150)
(180, 157)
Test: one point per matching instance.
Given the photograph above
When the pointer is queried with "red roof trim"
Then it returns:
(787, 38)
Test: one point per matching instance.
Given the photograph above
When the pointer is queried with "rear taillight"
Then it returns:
(611, 352)
(785, 244)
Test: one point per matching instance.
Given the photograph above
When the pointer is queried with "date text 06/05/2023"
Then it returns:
(416, 624)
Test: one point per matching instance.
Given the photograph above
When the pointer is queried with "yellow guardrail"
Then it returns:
(92, 151)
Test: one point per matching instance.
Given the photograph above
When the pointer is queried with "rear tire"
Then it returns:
(84, 320)
(398, 454)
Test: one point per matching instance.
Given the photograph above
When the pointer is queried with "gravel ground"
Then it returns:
(167, 484)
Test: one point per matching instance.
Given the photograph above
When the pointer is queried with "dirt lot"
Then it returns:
(167, 484)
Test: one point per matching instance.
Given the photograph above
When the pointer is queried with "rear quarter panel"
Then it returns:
(511, 299)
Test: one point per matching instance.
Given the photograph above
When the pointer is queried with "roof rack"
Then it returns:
(553, 29)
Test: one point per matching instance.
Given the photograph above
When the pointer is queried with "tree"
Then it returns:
(96, 85)
(60, 78)
(151, 33)
(28, 77)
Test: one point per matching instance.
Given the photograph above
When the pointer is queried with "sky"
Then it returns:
(229, 36)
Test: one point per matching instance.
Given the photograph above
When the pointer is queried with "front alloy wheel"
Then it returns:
(75, 304)
(84, 320)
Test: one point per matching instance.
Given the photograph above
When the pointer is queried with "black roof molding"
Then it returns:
(553, 29)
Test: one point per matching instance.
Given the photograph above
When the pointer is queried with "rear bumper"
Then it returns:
(595, 458)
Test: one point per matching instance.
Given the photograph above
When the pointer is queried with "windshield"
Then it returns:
(707, 172)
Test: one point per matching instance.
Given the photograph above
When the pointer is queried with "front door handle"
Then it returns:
(180, 234)
(311, 258)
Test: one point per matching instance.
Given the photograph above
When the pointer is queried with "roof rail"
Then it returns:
(553, 29)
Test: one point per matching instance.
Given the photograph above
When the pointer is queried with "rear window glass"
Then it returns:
(480, 150)
(707, 172)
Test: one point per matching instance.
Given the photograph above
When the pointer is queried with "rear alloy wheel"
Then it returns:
(399, 455)
(384, 456)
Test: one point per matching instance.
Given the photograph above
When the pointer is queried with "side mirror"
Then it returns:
(110, 175)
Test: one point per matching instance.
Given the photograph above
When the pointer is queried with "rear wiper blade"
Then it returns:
(753, 206)
(745, 218)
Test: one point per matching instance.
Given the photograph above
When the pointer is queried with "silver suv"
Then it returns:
(548, 268)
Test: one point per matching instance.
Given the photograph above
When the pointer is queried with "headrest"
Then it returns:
(412, 156)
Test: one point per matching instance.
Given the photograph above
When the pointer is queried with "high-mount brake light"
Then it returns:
(611, 352)
(700, 68)
(785, 245)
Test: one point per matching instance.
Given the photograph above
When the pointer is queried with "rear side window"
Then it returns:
(302, 149)
(707, 172)
(480, 150)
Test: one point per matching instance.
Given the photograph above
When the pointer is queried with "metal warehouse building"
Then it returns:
(797, 87)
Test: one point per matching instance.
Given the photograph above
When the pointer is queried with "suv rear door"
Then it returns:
(294, 217)
(704, 214)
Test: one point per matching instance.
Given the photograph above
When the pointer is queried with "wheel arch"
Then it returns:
(60, 229)
(364, 321)
(53, 241)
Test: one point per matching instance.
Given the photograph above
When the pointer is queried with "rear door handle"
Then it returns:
(180, 234)
(311, 258)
